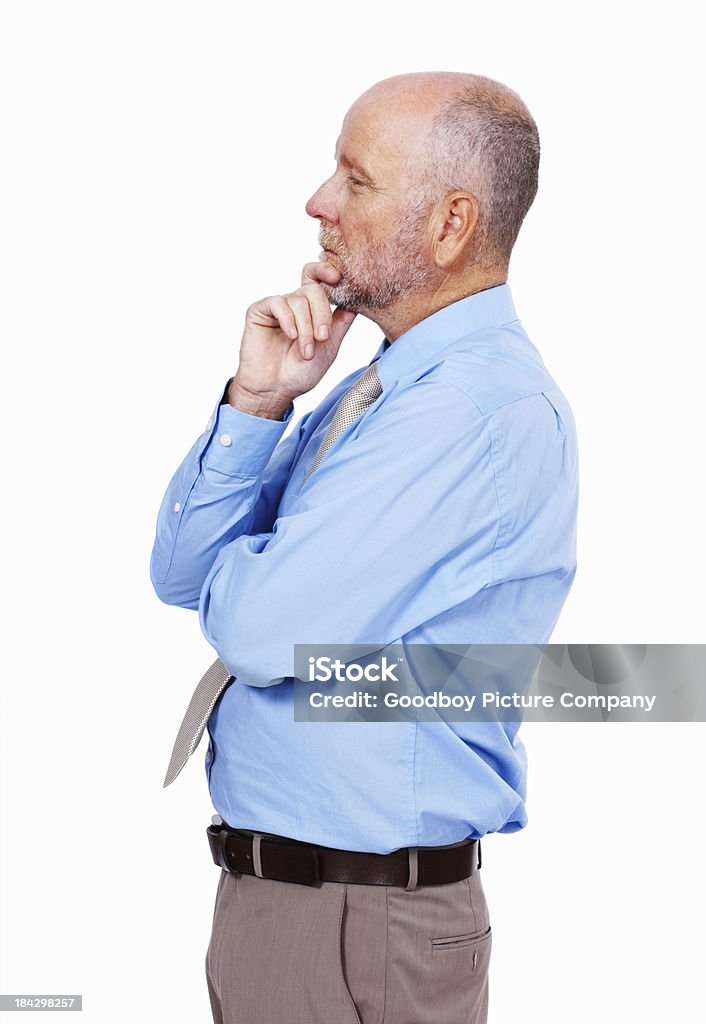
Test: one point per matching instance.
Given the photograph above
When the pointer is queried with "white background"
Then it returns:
(157, 157)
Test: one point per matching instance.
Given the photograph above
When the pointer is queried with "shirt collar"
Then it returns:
(422, 343)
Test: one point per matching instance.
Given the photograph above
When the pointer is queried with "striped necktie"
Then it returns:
(365, 390)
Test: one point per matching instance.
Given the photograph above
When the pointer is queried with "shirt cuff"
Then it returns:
(241, 444)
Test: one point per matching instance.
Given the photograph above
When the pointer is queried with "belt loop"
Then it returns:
(413, 869)
(256, 857)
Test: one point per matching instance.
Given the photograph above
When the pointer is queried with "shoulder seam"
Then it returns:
(502, 405)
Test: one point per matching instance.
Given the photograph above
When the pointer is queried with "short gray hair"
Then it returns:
(485, 141)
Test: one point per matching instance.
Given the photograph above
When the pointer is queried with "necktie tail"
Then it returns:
(209, 688)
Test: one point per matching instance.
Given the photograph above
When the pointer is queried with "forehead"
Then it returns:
(382, 132)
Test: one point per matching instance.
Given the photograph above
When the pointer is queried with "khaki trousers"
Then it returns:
(337, 953)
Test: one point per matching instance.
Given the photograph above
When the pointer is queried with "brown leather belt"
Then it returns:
(288, 860)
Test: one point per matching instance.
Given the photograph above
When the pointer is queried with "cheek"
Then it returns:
(378, 223)
(366, 224)
(359, 230)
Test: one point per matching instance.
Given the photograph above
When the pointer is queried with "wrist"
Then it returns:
(267, 404)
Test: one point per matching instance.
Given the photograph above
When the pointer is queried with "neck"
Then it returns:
(411, 309)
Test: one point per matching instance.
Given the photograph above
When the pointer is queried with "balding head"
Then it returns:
(419, 96)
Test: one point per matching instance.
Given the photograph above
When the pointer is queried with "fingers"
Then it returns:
(283, 314)
(320, 310)
(313, 317)
(320, 272)
(299, 304)
(305, 316)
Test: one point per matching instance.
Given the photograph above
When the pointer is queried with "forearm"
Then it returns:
(211, 500)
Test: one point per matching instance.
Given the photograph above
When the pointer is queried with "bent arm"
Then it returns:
(231, 480)
(233, 475)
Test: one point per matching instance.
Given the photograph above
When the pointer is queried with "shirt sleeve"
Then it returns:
(395, 526)
(233, 474)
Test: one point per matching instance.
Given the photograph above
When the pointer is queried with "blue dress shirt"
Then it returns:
(446, 514)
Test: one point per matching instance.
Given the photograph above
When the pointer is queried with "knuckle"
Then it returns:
(257, 306)
(318, 299)
(300, 304)
(319, 295)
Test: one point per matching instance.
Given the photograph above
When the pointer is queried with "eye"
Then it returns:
(356, 181)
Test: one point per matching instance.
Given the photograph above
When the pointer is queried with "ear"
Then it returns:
(456, 223)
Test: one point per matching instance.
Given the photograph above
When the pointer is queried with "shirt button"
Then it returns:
(177, 506)
(225, 440)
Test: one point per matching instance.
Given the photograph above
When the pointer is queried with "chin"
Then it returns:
(349, 305)
(339, 295)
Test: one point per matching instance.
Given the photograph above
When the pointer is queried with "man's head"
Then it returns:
(435, 173)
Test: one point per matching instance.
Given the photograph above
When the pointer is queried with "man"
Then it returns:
(429, 499)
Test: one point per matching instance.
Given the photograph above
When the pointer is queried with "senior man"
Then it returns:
(430, 498)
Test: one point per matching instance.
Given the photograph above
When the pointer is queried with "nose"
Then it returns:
(322, 205)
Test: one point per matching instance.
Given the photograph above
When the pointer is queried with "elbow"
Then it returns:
(238, 620)
(249, 671)
(245, 650)
(169, 591)
(168, 596)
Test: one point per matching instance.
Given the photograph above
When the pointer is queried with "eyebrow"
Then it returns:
(353, 166)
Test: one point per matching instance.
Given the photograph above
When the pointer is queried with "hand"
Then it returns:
(288, 344)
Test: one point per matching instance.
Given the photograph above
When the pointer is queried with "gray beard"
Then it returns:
(391, 268)
(355, 297)
(388, 281)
